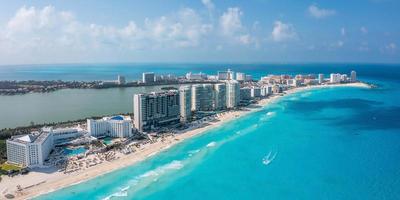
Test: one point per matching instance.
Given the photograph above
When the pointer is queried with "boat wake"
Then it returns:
(269, 158)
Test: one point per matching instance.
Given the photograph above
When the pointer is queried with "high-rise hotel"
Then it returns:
(219, 96)
(202, 97)
(155, 109)
(232, 94)
(185, 103)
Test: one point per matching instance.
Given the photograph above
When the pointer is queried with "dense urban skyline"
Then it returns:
(199, 31)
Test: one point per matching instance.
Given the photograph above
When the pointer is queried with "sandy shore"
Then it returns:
(43, 181)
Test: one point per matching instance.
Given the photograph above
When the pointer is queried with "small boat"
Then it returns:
(269, 158)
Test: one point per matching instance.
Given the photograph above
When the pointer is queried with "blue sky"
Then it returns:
(282, 31)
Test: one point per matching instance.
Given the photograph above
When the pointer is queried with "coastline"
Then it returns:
(57, 180)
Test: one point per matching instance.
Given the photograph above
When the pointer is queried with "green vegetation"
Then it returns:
(7, 167)
(3, 151)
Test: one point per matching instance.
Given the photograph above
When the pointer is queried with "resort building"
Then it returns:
(156, 109)
(199, 76)
(277, 89)
(117, 126)
(266, 90)
(220, 96)
(353, 76)
(292, 82)
(202, 97)
(232, 94)
(320, 78)
(248, 77)
(185, 103)
(121, 80)
(226, 75)
(148, 77)
(245, 93)
(255, 92)
(335, 78)
(32, 150)
(240, 76)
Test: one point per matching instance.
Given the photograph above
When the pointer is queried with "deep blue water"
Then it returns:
(336, 143)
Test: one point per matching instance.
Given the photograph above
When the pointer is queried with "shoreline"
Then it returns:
(58, 180)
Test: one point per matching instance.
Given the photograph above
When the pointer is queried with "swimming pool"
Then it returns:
(74, 151)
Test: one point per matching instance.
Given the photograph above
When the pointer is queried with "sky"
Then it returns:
(233, 31)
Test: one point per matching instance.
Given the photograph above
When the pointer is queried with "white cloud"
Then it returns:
(52, 33)
(232, 28)
(283, 32)
(320, 12)
(208, 4)
(230, 21)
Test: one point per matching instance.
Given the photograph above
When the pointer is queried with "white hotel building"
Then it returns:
(232, 94)
(32, 150)
(117, 126)
(185, 103)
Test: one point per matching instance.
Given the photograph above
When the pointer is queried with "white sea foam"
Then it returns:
(122, 193)
(151, 175)
(270, 113)
(194, 151)
(211, 144)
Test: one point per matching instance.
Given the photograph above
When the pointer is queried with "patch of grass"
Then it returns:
(7, 167)
(3, 151)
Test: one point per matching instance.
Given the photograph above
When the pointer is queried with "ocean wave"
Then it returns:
(190, 153)
(174, 165)
(270, 113)
(149, 176)
(211, 144)
(122, 193)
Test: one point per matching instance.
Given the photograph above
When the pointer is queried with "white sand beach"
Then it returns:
(42, 181)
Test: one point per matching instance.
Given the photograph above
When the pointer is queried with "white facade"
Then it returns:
(202, 97)
(121, 80)
(353, 76)
(240, 76)
(29, 150)
(199, 76)
(255, 92)
(148, 77)
(232, 94)
(185, 103)
(117, 126)
(335, 78)
(226, 75)
(220, 96)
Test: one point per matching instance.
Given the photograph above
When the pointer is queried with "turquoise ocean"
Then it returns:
(334, 143)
